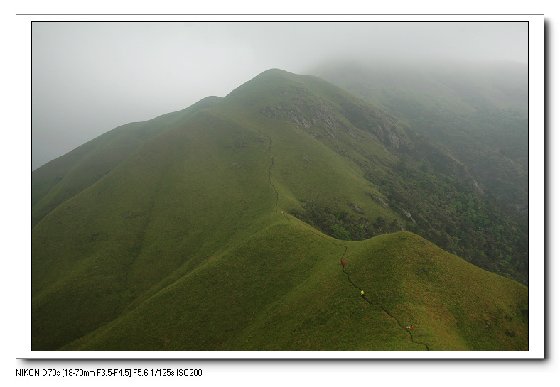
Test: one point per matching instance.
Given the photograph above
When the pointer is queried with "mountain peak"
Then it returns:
(268, 81)
(315, 105)
(275, 72)
(178, 232)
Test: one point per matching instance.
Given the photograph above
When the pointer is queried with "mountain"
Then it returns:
(224, 226)
(478, 114)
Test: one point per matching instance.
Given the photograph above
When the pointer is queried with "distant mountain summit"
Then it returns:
(223, 227)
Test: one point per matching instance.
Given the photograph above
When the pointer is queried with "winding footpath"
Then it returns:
(378, 304)
(270, 171)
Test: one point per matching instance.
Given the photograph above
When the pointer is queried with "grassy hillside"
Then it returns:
(64, 177)
(188, 240)
(478, 112)
(478, 115)
(284, 289)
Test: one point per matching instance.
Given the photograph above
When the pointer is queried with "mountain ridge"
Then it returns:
(221, 212)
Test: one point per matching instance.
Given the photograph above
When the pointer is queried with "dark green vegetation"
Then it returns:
(206, 229)
(471, 130)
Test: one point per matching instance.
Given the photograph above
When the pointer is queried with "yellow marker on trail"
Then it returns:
(361, 293)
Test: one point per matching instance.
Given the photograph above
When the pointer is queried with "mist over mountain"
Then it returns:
(291, 214)
(477, 113)
(88, 78)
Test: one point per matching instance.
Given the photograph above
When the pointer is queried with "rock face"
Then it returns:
(305, 112)
(383, 126)
(321, 117)
(408, 215)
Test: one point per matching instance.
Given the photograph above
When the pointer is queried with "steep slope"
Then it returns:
(478, 114)
(66, 176)
(187, 240)
(283, 289)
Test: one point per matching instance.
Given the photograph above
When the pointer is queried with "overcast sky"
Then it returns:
(91, 77)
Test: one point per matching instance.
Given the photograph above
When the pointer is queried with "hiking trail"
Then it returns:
(380, 305)
(270, 171)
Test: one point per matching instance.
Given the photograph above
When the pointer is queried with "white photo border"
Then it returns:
(536, 49)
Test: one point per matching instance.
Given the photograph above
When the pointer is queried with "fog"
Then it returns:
(88, 78)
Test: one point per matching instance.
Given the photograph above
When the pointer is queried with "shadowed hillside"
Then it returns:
(478, 114)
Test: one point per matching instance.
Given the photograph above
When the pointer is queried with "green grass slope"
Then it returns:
(476, 113)
(66, 176)
(284, 289)
(187, 240)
